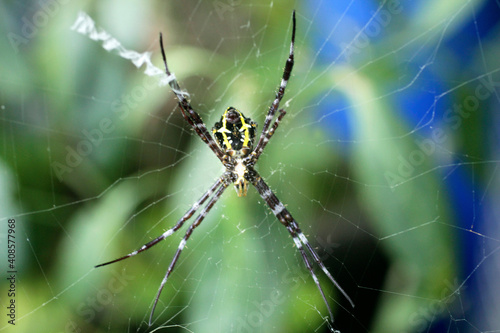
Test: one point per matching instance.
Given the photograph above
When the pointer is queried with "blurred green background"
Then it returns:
(387, 159)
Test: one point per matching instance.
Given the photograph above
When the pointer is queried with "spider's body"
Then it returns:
(235, 135)
(234, 147)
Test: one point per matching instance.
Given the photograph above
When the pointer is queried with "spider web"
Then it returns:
(387, 158)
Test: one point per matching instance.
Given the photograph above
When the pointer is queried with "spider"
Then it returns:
(234, 146)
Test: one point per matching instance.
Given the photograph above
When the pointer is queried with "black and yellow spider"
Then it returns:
(234, 147)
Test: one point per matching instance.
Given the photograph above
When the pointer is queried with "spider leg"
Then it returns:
(279, 95)
(176, 227)
(225, 183)
(313, 253)
(252, 158)
(188, 113)
(307, 263)
(284, 216)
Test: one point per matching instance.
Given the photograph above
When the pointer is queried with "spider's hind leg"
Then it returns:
(176, 227)
(223, 183)
(284, 216)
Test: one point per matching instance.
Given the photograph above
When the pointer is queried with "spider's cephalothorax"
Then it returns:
(234, 147)
(235, 135)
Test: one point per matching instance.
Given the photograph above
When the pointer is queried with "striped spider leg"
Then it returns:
(266, 132)
(188, 113)
(225, 182)
(284, 216)
(215, 192)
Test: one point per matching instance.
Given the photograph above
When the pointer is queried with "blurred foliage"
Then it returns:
(393, 243)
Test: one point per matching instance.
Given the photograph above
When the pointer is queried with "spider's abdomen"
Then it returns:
(234, 131)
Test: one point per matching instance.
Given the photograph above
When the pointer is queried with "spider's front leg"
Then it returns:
(251, 159)
(287, 71)
(188, 113)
